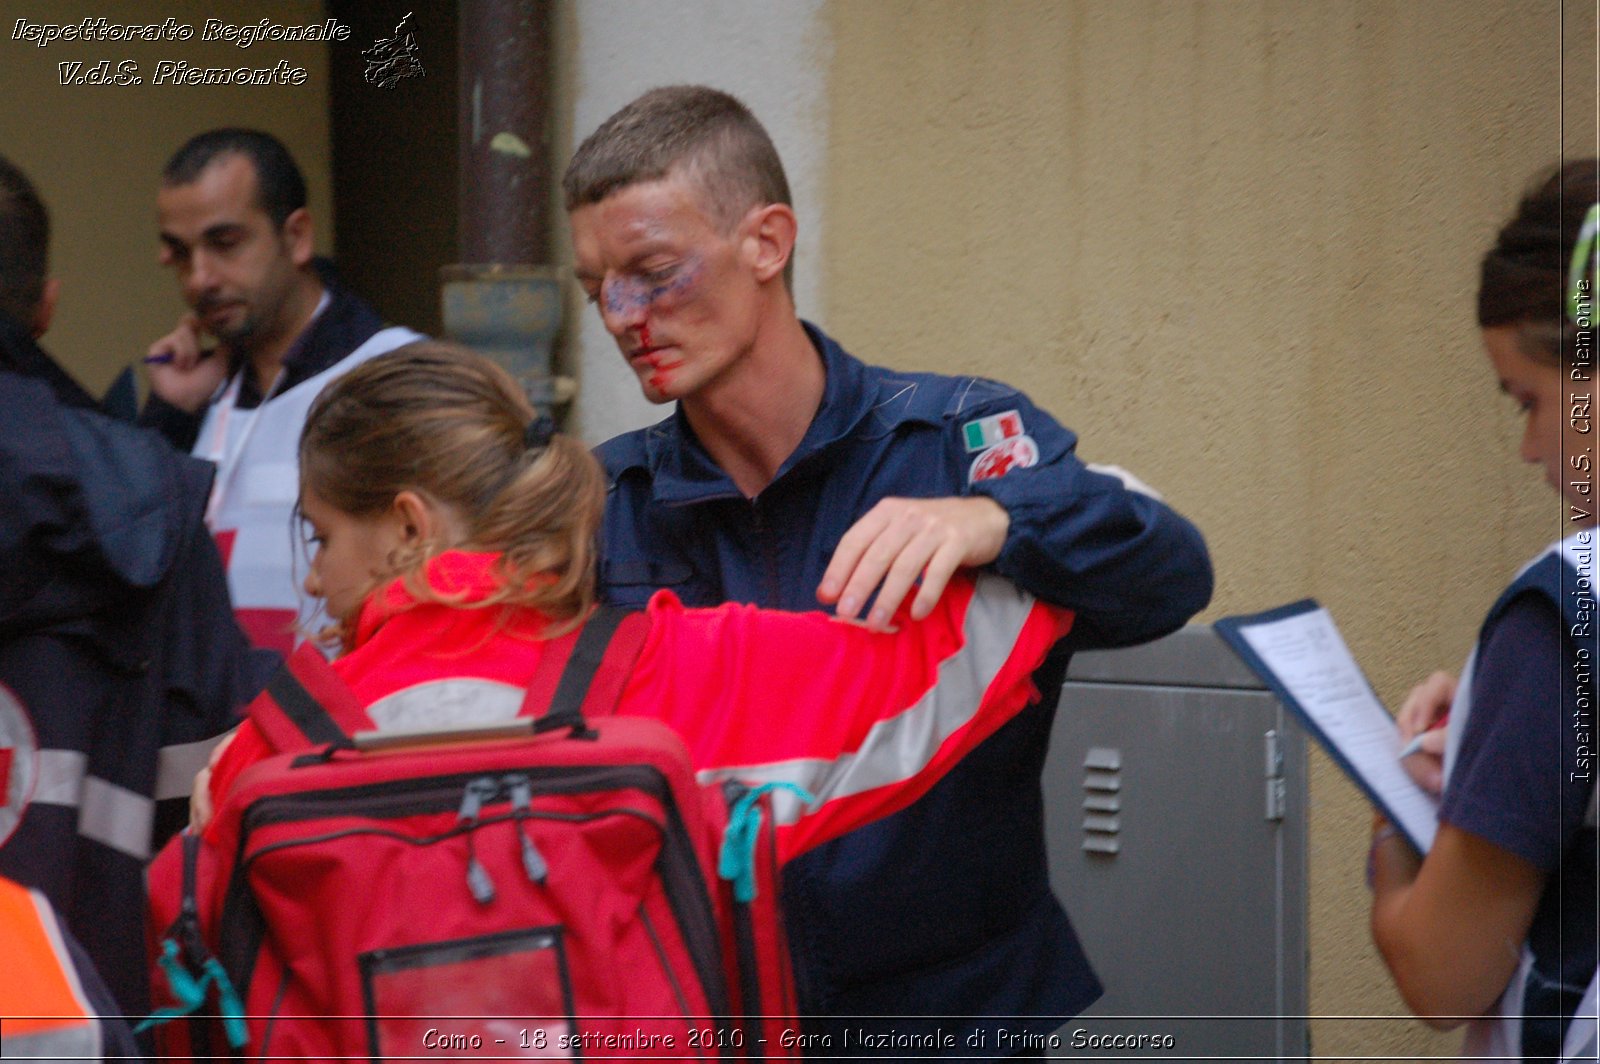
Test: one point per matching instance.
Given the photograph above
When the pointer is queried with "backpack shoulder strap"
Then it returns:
(307, 704)
(581, 675)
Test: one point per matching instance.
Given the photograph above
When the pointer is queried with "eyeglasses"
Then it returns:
(1585, 266)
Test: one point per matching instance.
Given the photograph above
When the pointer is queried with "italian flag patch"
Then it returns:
(988, 431)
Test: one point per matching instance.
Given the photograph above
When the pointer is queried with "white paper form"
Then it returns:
(1310, 659)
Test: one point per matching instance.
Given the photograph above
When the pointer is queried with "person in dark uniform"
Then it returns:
(120, 662)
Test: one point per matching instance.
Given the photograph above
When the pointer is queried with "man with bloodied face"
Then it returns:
(790, 474)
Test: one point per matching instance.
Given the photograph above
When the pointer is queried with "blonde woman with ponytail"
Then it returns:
(454, 533)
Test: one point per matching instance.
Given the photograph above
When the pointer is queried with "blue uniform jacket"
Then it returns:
(943, 910)
(119, 658)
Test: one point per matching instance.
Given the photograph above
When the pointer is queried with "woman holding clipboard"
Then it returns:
(1497, 924)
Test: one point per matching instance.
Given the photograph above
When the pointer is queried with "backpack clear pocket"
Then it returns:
(506, 994)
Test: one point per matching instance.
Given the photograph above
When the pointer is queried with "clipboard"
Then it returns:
(1299, 654)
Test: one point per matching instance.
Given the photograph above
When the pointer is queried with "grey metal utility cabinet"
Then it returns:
(1175, 792)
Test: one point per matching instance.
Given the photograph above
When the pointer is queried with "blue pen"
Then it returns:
(166, 357)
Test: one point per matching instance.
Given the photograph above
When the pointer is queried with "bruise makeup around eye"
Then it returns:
(659, 290)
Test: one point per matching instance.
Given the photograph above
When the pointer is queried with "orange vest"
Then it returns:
(44, 1012)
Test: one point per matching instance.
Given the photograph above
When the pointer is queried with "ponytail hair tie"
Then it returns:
(537, 435)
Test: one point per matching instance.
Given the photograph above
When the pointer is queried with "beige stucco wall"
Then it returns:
(1234, 246)
(96, 152)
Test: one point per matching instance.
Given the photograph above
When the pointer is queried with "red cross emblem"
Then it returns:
(19, 763)
(1017, 452)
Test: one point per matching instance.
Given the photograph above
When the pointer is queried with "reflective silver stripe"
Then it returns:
(899, 747)
(75, 1041)
(61, 775)
(79, 1040)
(116, 817)
(177, 765)
(108, 814)
(1129, 481)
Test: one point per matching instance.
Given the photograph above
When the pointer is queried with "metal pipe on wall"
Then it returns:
(504, 297)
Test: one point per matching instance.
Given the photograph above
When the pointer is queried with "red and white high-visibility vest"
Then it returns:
(251, 512)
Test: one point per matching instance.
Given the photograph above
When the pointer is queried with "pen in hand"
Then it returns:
(1415, 745)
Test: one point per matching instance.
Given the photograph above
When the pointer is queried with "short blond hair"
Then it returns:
(702, 133)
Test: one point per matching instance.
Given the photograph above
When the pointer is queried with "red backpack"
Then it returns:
(546, 888)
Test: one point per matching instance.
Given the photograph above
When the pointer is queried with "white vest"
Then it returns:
(253, 498)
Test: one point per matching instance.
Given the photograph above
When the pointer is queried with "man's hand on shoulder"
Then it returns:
(181, 372)
(899, 540)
